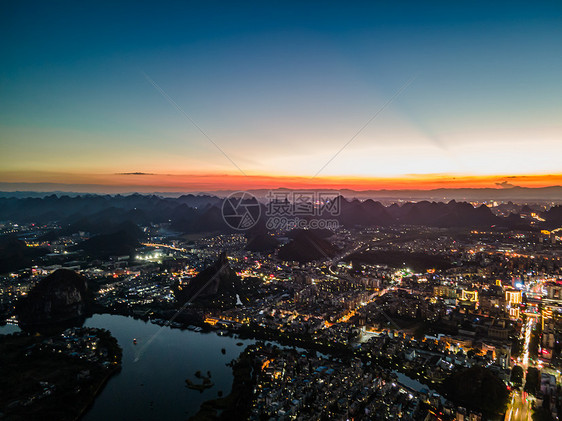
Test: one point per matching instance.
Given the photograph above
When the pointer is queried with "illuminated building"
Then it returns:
(471, 296)
(546, 315)
(514, 313)
(513, 297)
(444, 291)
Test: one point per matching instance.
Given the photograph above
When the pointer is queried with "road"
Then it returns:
(519, 408)
(164, 246)
(527, 335)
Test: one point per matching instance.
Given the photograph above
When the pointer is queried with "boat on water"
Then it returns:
(134, 341)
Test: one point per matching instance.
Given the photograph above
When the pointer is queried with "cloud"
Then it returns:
(505, 185)
(135, 173)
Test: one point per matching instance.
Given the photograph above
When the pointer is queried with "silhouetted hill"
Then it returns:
(306, 246)
(553, 217)
(262, 242)
(121, 242)
(98, 209)
(514, 222)
(216, 286)
(452, 214)
(206, 219)
(101, 214)
(199, 201)
(209, 221)
(62, 296)
(438, 214)
(364, 213)
(15, 254)
(464, 214)
(509, 207)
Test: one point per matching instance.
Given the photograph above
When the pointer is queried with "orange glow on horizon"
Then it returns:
(151, 182)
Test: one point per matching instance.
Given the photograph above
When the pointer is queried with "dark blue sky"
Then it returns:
(281, 86)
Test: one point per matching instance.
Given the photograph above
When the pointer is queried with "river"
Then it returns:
(151, 383)
(414, 384)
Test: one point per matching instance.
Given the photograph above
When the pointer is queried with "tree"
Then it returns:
(472, 353)
(532, 380)
(516, 347)
(517, 375)
(477, 388)
(535, 342)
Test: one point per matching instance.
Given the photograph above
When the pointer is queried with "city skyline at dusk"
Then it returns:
(281, 210)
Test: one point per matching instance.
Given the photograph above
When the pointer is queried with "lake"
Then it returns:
(151, 384)
(414, 384)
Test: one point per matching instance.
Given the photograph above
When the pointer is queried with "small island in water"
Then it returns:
(206, 382)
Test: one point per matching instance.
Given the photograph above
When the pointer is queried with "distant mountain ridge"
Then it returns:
(104, 215)
(516, 193)
(439, 214)
(547, 193)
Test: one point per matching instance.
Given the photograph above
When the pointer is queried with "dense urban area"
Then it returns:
(418, 321)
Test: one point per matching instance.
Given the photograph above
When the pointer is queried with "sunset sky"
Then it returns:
(208, 95)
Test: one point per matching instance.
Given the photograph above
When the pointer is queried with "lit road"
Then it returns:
(519, 408)
(527, 335)
(164, 246)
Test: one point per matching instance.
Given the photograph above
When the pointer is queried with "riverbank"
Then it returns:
(233, 407)
(252, 331)
(38, 383)
(151, 384)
